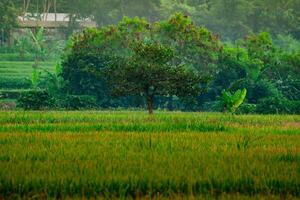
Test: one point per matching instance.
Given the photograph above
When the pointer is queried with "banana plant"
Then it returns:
(38, 43)
(231, 101)
(35, 78)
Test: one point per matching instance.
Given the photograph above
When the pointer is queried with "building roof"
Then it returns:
(51, 20)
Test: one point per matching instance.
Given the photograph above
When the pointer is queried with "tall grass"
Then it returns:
(132, 155)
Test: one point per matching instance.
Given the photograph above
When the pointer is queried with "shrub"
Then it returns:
(247, 109)
(274, 105)
(213, 106)
(75, 102)
(295, 107)
(233, 101)
(35, 100)
(11, 94)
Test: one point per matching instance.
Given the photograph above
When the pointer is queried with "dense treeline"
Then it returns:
(231, 19)
(248, 52)
(135, 60)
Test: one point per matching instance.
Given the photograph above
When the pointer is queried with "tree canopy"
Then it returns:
(172, 57)
(8, 18)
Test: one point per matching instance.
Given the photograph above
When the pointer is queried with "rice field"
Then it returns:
(14, 74)
(101, 154)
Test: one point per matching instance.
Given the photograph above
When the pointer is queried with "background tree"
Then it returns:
(95, 50)
(8, 19)
(231, 19)
(149, 72)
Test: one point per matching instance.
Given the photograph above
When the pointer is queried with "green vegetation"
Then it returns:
(161, 61)
(132, 154)
(231, 102)
(8, 19)
(230, 19)
(104, 62)
(18, 75)
(163, 55)
(23, 69)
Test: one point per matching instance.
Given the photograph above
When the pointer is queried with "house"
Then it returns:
(51, 20)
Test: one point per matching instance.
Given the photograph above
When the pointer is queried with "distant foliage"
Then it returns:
(73, 102)
(35, 100)
(8, 19)
(275, 105)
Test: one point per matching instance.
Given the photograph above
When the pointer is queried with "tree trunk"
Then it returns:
(150, 104)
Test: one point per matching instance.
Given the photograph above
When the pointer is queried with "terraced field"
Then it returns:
(134, 155)
(12, 73)
(15, 77)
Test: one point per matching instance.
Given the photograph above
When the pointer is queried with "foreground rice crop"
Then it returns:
(130, 154)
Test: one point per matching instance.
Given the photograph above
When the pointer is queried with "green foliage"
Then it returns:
(287, 43)
(275, 105)
(265, 70)
(149, 72)
(15, 83)
(8, 19)
(73, 102)
(232, 19)
(11, 93)
(172, 57)
(18, 75)
(35, 77)
(233, 101)
(35, 100)
(39, 45)
(247, 108)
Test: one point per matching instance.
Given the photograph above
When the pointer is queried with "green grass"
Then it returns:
(130, 154)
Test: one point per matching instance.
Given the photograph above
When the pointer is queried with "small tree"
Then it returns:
(231, 101)
(38, 42)
(8, 19)
(149, 72)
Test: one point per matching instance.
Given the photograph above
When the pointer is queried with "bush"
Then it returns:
(35, 100)
(275, 105)
(247, 109)
(74, 102)
(260, 90)
(213, 106)
(11, 94)
(295, 107)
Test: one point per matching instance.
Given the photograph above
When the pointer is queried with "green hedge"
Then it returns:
(35, 100)
(14, 83)
(12, 94)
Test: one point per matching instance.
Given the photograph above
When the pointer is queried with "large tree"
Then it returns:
(136, 48)
(150, 72)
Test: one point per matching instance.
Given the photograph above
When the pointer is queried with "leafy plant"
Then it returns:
(35, 78)
(35, 100)
(275, 105)
(231, 101)
(246, 141)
